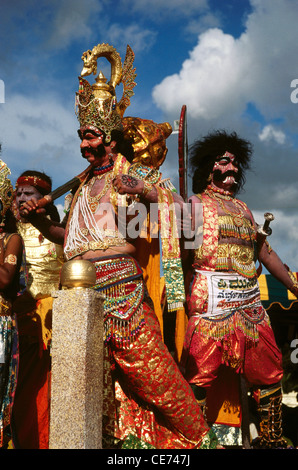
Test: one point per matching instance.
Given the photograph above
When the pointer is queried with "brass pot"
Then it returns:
(78, 273)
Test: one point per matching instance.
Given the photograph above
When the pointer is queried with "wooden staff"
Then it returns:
(48, 198)
(183, 153)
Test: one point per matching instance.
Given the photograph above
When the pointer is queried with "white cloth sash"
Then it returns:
(229, 291)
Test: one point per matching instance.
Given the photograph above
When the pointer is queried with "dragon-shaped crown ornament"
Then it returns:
(96, 105)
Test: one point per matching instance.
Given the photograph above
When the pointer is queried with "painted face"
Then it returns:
(92, 147)
(25, 193)
(225, 170)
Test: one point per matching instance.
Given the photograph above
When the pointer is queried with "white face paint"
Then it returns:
(25, 193)
(225, 163)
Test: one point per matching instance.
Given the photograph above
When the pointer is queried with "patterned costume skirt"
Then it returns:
(240, 337)
(147, 402)
(8, 369)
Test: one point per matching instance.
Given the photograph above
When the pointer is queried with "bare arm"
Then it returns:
(276, 267)
(12, 260)
(272, 262)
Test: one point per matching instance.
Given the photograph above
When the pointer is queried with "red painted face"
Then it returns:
(92, 147)
(224, 173)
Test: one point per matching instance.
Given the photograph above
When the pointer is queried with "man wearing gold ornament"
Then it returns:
(229, 331)
(33, 308)
(147, 402)
(12, 281)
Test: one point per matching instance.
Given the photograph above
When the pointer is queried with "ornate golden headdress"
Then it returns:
(97, 104)
(148, 140)
(6, 188)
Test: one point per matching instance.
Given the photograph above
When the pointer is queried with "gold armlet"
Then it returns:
(11, 259)
(147, 188)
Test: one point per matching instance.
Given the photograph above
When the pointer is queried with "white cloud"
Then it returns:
(284, 236)
(223, 74)
(208, 80)
(138, 37)
(40, 133)
(29, 123)
(72, 20)
(269, 132)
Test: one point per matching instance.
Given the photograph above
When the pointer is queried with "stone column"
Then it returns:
(77, 361)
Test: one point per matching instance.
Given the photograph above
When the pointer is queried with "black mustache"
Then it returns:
(219, 176)
(99, 151)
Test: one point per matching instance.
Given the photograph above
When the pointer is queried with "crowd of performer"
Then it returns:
(152, 398)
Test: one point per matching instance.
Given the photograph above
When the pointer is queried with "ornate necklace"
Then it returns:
(93, 201)
(221, 195)
(100, 170)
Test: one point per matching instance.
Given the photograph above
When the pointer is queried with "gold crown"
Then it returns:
(6, 189)
(97, 104)
(148, 140)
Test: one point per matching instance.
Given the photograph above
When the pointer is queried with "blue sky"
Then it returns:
(230, 62)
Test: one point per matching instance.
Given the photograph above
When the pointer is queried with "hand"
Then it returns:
(126, 184)
(30, 208)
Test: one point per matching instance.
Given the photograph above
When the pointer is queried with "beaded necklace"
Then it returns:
(221, 195)
(100, 170)
(93, 201)
(234, 224)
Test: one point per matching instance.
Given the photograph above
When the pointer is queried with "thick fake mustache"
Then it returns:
(98, 152)
(219, 176)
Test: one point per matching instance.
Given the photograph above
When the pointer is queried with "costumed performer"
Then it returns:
(147, 402)
(11, 282)
(31, 410)
(227, 322)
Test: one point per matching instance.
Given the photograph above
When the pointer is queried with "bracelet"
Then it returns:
(147, 188)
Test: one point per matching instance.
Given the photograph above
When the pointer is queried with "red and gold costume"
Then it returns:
(228, 326)
(147, 401)
(234, 333)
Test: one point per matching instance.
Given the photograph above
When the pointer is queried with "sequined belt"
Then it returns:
(112, 270)
(120, 280)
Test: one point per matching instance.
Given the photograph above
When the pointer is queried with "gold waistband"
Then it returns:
(95, 245)
(243, 254)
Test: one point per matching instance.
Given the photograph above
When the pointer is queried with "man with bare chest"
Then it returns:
(147, 402)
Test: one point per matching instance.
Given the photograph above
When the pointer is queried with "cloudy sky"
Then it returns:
(233, 63)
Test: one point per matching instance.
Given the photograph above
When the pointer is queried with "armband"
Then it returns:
(147, 188)
(11, 259)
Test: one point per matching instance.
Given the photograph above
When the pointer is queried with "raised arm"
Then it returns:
(53, 231)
